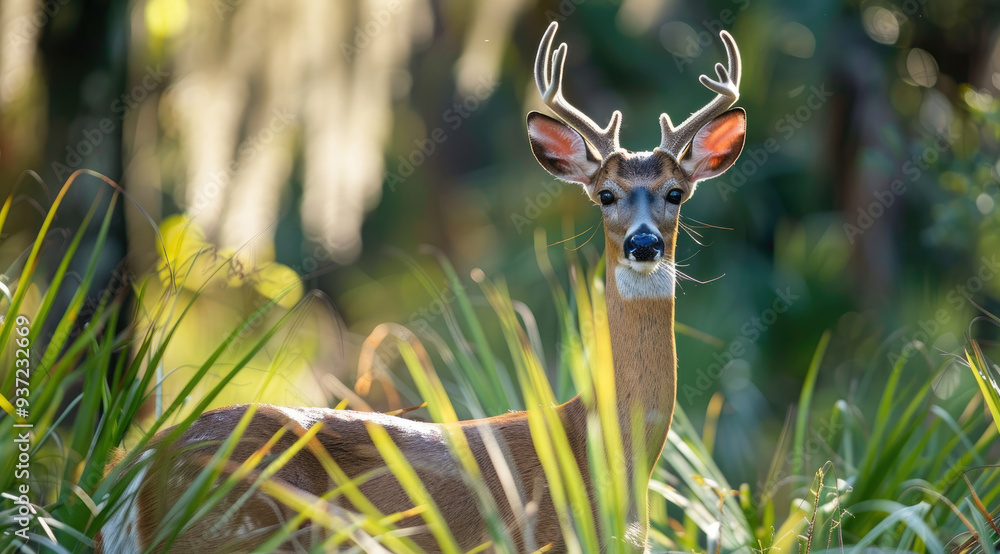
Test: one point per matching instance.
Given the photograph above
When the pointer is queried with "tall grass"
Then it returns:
(915, 475)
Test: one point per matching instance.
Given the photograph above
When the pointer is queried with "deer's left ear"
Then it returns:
(561, 150)
(716, 146)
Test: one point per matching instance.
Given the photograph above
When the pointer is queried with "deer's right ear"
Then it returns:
(561, 150)
(716, 146)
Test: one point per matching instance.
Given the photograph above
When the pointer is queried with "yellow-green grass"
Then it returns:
(913, 475)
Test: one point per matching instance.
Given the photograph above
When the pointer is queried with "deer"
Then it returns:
(639, 194)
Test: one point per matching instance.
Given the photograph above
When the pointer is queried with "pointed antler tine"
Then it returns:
(549, 80)
(722, 72)
(733, 55)
(665, 122)
(723, 87)
(614, 126)
(559, 60)
(675, 139)
(556, 77)
(616, 120)
(542, 77)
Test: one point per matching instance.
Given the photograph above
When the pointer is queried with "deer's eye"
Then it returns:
(606, 197)
(675, 196)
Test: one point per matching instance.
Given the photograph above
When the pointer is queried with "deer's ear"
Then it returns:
(716, 146)
(561, 150)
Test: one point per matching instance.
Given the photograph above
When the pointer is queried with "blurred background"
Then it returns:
(337, 149)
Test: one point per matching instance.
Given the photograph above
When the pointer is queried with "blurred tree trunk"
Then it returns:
(83, 64)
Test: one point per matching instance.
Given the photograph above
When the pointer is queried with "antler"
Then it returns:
(549, 81)
(675, 139)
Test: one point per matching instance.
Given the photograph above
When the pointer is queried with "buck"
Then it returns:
(640, 195)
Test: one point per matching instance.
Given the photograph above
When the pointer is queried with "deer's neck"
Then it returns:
(641, 323)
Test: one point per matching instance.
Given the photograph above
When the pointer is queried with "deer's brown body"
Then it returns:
(640, 194)
(345, 437)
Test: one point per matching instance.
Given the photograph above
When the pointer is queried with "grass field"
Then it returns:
(889, 465)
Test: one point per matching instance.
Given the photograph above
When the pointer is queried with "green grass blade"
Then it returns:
(414, 487)
(805, 403)
(986, 377)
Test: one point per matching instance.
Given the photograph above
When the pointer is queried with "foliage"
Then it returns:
(914, 474)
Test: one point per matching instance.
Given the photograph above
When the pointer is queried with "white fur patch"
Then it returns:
(121, 532)
(635, 281)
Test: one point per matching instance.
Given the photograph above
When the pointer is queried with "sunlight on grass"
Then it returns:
(915, 474)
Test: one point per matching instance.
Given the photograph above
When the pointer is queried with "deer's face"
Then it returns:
(640, 193)
(640, 196)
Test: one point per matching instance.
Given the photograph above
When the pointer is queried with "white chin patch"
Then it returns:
(645, 279)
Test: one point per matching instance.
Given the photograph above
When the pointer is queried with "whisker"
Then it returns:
(689, 228)
(567, 240)
(589, 239)
(692, 279)
(680, 263)
(677, 282)
(689, 233)
(708, 225)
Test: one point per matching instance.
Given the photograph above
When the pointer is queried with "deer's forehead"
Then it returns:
(640, 169)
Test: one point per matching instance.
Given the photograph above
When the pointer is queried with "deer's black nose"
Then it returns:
(644, 246)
